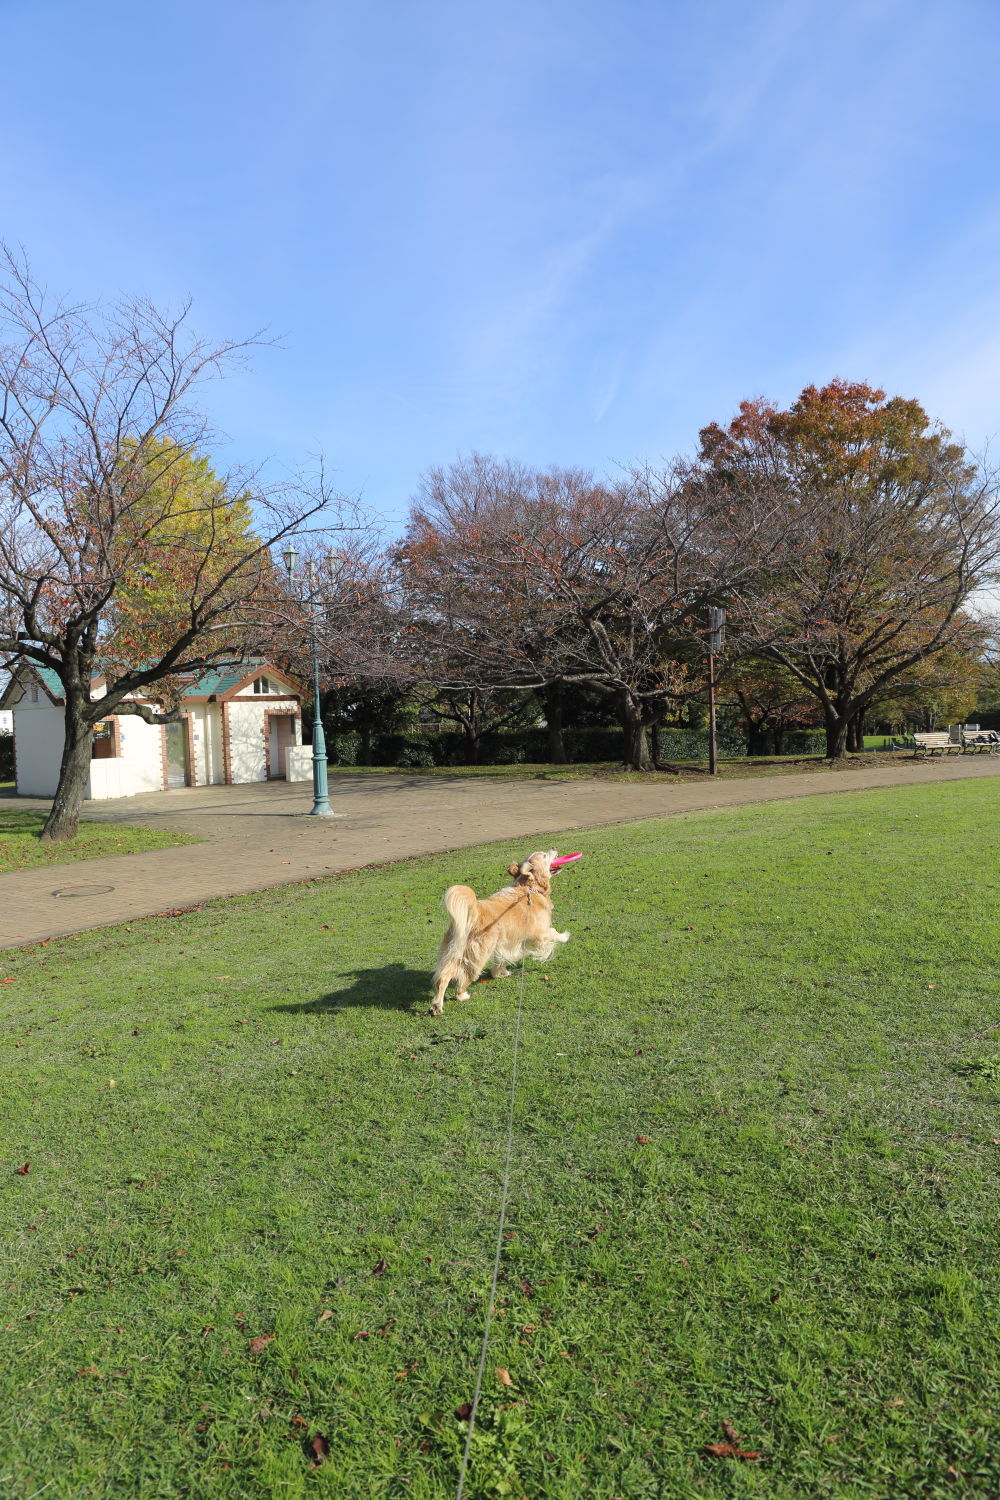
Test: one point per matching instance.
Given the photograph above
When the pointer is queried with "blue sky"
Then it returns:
(569, 231)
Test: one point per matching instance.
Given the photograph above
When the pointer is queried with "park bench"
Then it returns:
(981, 742)
(937, 742)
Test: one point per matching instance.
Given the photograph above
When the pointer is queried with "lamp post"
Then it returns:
(321, 803)
(716, 642)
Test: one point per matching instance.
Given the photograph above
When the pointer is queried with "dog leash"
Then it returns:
(504, 1192)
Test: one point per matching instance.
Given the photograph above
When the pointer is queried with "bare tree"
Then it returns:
(524, 579)
(104, 567)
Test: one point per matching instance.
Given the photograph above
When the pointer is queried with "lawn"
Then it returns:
(754, 1178)
(21, 847)
(771, 765)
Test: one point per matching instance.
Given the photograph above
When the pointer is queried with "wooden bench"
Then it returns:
(981, 742)
(938, 742)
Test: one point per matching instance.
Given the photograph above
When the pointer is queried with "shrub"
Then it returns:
(6, 757)
(343, 749)
(803, 742)
(414, 756)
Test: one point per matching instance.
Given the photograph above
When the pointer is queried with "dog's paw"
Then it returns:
(437, 1007)
(563, 937)
(463, 996)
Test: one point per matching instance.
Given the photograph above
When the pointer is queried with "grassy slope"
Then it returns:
(20, 848)
(795, 1004)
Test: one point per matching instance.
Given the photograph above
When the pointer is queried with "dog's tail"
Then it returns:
(460, 904)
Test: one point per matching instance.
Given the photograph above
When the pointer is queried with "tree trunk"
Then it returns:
(473, 742)
(655, 744)
(636, 744)
(836, 735)
(74, 779)
(757, 741)
(778, 735)
(365, 748)
(855, 735)
(554, 721)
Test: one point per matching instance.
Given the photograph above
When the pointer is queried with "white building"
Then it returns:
(239, 723)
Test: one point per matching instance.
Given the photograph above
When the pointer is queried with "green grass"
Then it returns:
(237, 1118)
(21, 848)
(771, 765)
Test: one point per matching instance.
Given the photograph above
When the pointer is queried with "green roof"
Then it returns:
(217, 680)
(49, 678)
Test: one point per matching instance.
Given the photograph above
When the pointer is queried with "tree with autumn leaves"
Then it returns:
(122, 553)
(845, 536)
(883, 530)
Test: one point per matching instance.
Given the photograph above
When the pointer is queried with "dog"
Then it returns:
(498, 931)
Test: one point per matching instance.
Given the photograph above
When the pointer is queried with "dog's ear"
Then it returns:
(513, 869)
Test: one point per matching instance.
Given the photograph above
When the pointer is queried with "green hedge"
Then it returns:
(6, 757)
(583, 746)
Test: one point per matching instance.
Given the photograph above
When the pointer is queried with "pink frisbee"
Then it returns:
(564, 859)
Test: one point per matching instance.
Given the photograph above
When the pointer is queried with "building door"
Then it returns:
(282, 735)
(177, 754)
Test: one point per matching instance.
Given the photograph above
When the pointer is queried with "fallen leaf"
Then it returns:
(90, 1370)
(384, 1330)
(642, 1140)
(899, 1401)
(321, 1448)
(362, 1333)
(730, 1432)
(463, 1412)
(208, 1328)
(730, 1450)
(527, 1288)
(380, 1269)
(504, 1376)
(23, 1171)
(299, 1421)
(326, 1313)
(260, 1343)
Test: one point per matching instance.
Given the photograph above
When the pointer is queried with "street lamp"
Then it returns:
(321, 803)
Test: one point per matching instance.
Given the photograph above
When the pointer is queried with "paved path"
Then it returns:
(258, 836)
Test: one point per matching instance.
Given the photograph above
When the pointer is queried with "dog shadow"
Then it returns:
(392, 987)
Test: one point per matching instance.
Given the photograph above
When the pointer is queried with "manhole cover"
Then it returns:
(92, 889)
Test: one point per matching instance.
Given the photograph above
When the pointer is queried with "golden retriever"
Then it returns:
(498, 931)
